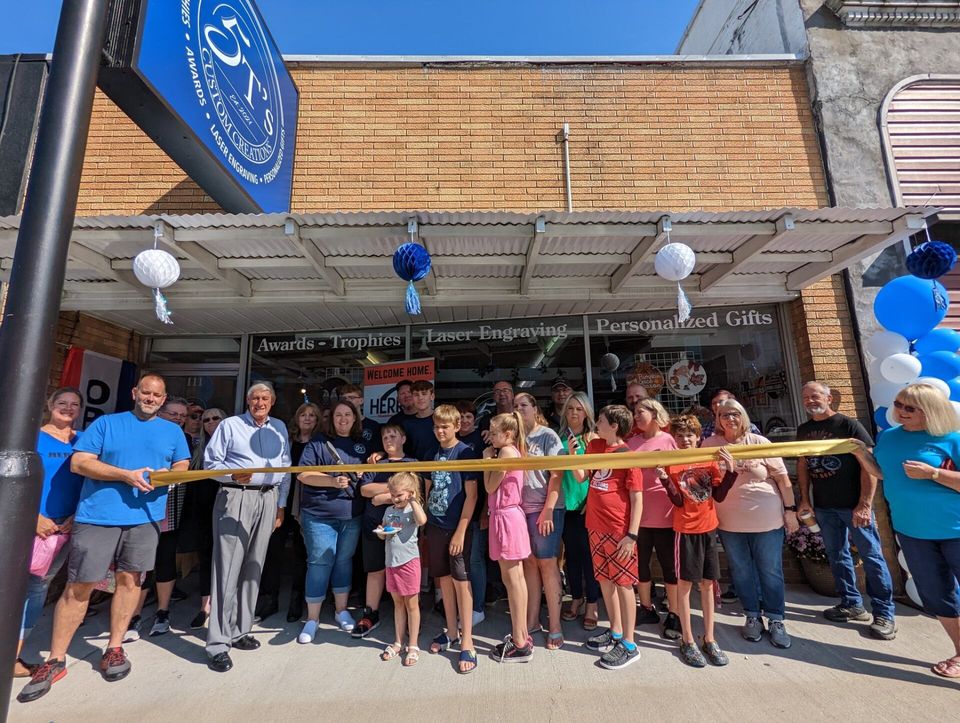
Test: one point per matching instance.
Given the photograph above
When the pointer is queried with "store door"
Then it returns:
(211, 385)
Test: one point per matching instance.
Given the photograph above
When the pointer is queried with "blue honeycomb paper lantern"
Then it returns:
(411, 262)
(931, 260)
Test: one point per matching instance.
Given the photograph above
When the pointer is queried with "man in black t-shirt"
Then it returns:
(843, 505)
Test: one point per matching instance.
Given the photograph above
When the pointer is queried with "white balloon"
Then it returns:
(892, 417)
(155, 268)
(884, 343)
(912, 592)
(873, 371)
(900, 368)
(934, 382)
(883, 392)
(903, 561)
(674, 262)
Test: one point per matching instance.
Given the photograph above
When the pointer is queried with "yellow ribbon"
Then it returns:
(622, 460)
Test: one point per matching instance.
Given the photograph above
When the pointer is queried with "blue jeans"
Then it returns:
(37, 592)
(754, 555)
(835, 527)
(579, 562)
(935, 567)
(478, 565)
(330, 547)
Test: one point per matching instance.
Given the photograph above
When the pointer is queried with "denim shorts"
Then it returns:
(543, 548)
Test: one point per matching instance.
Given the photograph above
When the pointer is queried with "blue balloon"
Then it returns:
(911, 306)
(954, 385)
(943, 365)
(880, 417)
(938, 340)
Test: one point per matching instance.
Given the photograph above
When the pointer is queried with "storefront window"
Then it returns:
(311, 366)
(738, 349)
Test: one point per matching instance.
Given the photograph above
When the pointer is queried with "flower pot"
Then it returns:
(820, 578)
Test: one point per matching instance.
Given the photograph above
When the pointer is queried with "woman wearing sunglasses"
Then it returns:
(917, 461)
(752, 520)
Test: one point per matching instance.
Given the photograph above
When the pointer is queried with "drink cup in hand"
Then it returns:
(806, 517)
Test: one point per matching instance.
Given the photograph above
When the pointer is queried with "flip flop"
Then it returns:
(467, 656)
(571, 610)
(440, 643)
(589, 623)
(949, 668)
(554, 641)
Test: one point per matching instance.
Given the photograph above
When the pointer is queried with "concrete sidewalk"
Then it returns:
(831, 673)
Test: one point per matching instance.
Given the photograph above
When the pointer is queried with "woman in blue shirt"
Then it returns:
(330, 510)
(58, 501)
(917, 462)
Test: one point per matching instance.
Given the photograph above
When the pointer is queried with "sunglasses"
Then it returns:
(212, 419)
(908, 408)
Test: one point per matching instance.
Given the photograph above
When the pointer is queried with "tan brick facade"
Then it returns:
(483, 138)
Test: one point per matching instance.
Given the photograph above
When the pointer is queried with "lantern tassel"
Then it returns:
(683, 305)
(160, 307)
(413, 300)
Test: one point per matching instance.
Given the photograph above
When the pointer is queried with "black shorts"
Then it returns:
(698, 557)
(662, 540)
(374, 552)
(439, 560)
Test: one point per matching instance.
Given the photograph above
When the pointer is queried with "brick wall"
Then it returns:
(483, 137)
(74, 328)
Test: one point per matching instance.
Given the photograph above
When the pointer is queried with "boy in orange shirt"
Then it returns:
(693, 488)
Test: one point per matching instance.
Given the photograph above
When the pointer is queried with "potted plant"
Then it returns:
(809, 549)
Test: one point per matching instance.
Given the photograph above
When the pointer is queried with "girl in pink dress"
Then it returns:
(509, 539)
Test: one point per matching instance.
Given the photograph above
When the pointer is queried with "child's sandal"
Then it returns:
(412, 656)
(470, 657)
(391, 651)
(440, 643)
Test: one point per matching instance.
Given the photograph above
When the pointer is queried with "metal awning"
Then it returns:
(249, 273)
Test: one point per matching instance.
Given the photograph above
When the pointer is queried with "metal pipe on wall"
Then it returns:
(563, 136)
(36, 284)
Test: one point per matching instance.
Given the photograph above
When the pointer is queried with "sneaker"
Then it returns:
(133, 630)
(602, 642)
(42, 679)
(778, 634)
(714, 654)
(478, 617)
(345, 621)
(752, 629)
(308, 632)
(161, 623)
(114, 665)
(199, 620)
(619, 657)
(729, 595)
(845, 613)
(510, 652)
(369, 620)
(647, 616)
(690, 655)
(883, 628)
(671, 627)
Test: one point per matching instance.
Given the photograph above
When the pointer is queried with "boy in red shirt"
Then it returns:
(614, 506)
(693, 488)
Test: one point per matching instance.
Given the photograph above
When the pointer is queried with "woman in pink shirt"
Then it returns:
(656, 524)
(752, 520)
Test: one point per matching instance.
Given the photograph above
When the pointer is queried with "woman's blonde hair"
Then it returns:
(293, 426)
(589, 423)
(408, 481)
(196, 459)
(937, 410)
(512, 422)
(660, 415)
(735, 406)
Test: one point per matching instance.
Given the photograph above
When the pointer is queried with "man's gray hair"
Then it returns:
(174, 400)
(824, 389)
(261, 385)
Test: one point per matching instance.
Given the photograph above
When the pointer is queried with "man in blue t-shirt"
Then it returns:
(117, 523)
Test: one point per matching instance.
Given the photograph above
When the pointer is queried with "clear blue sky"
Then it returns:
(427, 27)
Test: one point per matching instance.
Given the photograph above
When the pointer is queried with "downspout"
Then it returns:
(563, 136)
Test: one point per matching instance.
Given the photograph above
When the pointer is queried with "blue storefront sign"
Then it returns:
(224, 97)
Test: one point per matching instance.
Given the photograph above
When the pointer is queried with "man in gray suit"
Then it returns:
(249, 507)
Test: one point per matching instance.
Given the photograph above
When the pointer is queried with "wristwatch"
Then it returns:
(936, 474)
(632, 536)
(790, 508)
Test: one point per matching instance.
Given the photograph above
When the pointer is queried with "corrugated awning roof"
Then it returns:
(291, 272)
